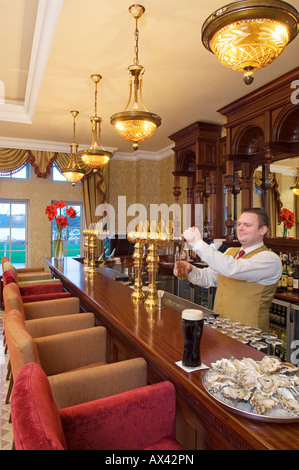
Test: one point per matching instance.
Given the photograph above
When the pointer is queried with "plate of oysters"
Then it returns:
(266, 390)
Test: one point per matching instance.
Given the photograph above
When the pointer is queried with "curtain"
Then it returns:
(12, 160)
(95, 192)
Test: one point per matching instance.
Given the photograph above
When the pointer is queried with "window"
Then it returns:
(13, 231)
(56, 175)
(23, 174)
(71, 235)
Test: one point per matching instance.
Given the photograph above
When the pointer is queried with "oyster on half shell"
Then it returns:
(236, 393)
(262, 403)
(270, 365)
(288, 400)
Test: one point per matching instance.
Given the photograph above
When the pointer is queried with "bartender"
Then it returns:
(246, 277)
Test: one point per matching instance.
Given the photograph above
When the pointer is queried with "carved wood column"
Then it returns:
(266, 186)
(206, 204)
(198, 198)
(177, 193)
(229, 184)
(236, 191)
(214, 213)
(246, 186)
(190, 201)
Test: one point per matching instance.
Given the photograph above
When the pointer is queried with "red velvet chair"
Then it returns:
(139, 419)
(27, 275)
(38, 292)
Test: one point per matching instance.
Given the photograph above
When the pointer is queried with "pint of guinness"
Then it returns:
(192, 327)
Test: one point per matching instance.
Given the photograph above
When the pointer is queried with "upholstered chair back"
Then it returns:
(12, 299)
(21, 346)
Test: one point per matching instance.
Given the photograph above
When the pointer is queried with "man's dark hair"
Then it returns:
(262, 215)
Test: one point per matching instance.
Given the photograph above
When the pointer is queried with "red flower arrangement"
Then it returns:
(287, 217)
(61, 221)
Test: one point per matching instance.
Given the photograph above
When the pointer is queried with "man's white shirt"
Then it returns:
(264, 268)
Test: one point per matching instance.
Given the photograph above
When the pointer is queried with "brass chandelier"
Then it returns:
(74, 172)
(295, 188)
(95, 157)
(247, 35)
(136, 125)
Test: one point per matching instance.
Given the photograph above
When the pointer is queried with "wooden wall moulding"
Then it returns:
(262, 127)
(265, 118)
(196, 156)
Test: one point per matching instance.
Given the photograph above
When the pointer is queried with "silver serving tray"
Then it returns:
(237, 408)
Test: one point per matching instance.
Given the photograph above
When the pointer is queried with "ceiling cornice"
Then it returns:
(46, 21)
(62, 147)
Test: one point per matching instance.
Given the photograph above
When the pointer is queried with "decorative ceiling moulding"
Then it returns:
(63, 147)
(45, 26)
(144, 155)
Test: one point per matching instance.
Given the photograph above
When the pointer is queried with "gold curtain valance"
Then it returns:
(12, 160)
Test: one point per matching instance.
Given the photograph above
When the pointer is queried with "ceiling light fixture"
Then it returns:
(247, 35)
(295, 188)
(74, 172)
(96, 157)
(136, 125)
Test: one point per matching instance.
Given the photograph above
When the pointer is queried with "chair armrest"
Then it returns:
(41, 288)
(131, 420)
(38, 282)
(61, 324)
(39, 297)
(48, 308)
(71, 388)
(33, 276)
(67, 351)
(30, 270)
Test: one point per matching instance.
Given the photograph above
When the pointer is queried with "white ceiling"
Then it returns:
(49, 49)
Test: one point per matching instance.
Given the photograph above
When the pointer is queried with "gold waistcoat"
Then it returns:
(248, 302)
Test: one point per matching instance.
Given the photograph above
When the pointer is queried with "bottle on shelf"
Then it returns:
(102, 257)
(284, 277)
(111, 256)
(290, 278)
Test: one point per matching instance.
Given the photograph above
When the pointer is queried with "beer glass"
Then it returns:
(192, 327)
(180, 262)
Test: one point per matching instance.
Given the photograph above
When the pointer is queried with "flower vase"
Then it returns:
(285, 231)
(58, 248)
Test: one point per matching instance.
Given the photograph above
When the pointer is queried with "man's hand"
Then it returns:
(192, 236)
(188, 267)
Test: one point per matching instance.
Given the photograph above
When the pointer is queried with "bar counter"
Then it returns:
(202, 422)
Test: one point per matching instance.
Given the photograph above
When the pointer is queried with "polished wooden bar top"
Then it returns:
(157, 337)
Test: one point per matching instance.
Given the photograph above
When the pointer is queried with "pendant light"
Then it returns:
(136, 125)
(95, 157)
(295, 188)
(74, 172)
(247, 35)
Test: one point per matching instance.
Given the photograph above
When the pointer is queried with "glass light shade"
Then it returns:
(73, 172)
(250, 34)
(73, 175)
(295, 188)
(95, 158)
(253, 43)
(135, 126)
